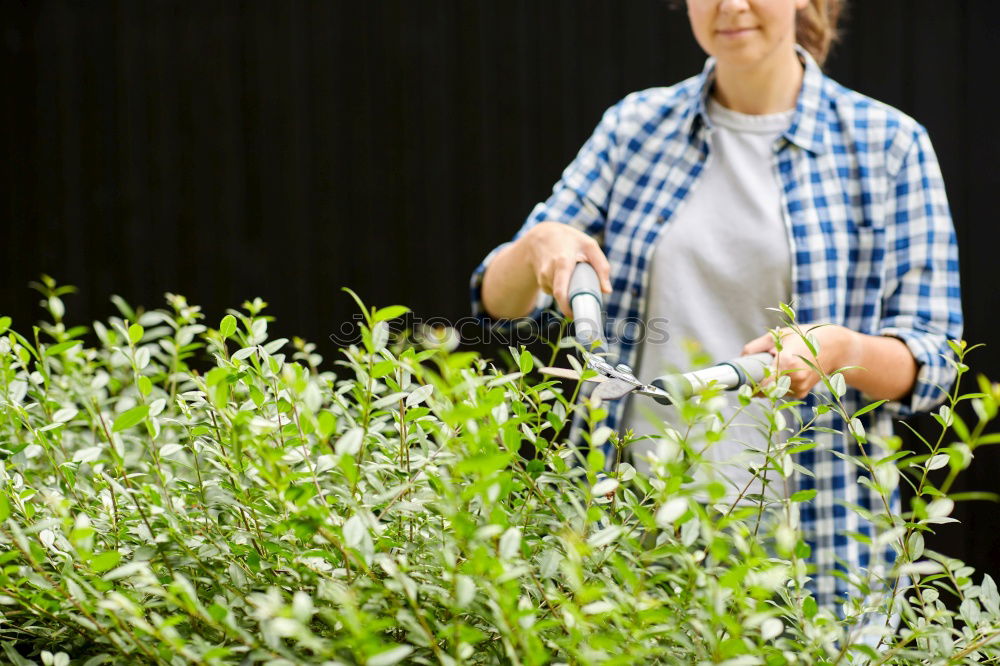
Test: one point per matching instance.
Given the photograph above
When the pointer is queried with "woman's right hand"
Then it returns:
(553, 250)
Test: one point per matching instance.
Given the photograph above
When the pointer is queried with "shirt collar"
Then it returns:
(808, 127)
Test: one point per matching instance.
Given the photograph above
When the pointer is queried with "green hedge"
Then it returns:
(270, 510)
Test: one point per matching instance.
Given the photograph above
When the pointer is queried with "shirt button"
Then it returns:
(635, 291)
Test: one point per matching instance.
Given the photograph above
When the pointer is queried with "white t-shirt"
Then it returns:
(720, 262)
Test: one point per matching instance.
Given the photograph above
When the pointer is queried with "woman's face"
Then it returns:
(744, 32)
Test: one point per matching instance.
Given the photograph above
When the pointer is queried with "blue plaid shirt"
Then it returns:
(872, 242)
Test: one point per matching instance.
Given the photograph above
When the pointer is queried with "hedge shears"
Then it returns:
(618, 380)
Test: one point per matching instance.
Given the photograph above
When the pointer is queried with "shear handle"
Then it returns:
(585, 301)
(730, 375)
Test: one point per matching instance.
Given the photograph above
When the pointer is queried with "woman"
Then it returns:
(757, 182)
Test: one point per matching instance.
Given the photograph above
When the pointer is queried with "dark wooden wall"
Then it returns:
(226, 150)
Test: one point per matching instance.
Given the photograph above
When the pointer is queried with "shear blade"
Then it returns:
(613, 389)
(568, 373)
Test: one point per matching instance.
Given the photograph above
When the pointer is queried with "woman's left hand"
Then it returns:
(837, 346)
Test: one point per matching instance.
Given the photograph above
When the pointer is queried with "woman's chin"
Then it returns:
(739, 55)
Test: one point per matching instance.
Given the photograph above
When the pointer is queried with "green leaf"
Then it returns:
(14, 656)
(803, 495)
(27, 345)
(256, 395)
(868, 408)
(390, 656)
(811, 344)
(135, 332)
(123, 307)
(130, 418)
(866, 650)
(483, 464)
(526, 362)
(218, 612)
(788, 312)
(326, 423)
(975, 495)
(898, 455)
(382, 369)
(4, 507)
(105, 561)
(145, 385)
(838, 385)
(4, 324)
(807, 446)
(595, 460)
(361, 306)
(59, 348)
(227, 326)
(216, 375)
(415, 413)
(216, 652)
(810, 607)
(419, 394)
(390, 312)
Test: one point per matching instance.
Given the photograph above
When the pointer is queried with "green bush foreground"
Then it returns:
(271, 511)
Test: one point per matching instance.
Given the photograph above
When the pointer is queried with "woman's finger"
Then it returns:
(595, 257)
(764, 343)
(802, 377)
(560, 285)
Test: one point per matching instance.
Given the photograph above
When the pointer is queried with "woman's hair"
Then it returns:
(816, 27)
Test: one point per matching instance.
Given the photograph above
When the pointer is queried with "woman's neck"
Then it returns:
(769, 86)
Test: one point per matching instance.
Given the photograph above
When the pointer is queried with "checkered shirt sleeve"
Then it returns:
(922, 306)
